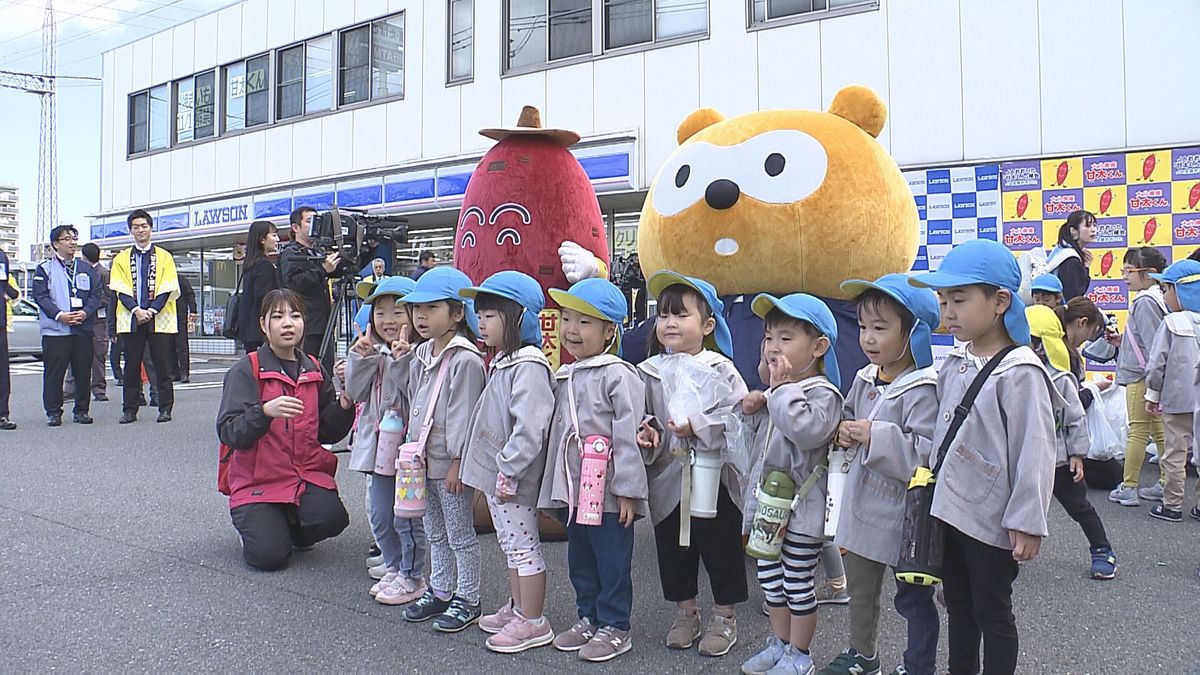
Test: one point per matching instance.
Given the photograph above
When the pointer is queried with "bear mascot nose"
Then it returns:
(722, 194)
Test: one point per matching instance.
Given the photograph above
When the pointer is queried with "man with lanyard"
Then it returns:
(91, 253)
(67, 292)
(8, 291)
(306, 270)
(146, 284)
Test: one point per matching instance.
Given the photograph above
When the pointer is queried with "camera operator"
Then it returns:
(306, 269)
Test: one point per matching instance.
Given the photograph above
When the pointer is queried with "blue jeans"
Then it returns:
(401, 540)
(915, 604)
(599, 561)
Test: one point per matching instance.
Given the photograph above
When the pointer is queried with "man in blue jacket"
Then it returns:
(67, 291)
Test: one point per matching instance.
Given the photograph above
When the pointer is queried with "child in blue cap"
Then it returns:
(994, 487)
(598, 399)
(505, 453)
(690, 321)
(379, 384)
(1170, 382)
(1047, 290)
(888, 427)
(444, 383)
(803, 408)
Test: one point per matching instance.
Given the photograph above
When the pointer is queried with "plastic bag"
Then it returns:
(739, 450)
(691, 387)
(1107, 423)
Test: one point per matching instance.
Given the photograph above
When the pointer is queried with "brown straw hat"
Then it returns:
(530, 124)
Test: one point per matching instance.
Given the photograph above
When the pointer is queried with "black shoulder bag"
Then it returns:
(229, 326)
(923, 537)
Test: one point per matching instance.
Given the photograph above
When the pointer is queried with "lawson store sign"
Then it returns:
(609, 168)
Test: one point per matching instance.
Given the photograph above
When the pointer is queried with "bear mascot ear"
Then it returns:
(859, 105)
(697, 120)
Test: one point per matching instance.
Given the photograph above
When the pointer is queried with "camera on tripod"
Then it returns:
(353, 234)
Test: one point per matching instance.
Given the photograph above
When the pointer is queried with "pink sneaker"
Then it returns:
(383, 583)
(519, 635)
(401, 592)
(494, 623)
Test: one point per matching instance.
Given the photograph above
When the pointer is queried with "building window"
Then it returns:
(540, 31)
(372, 61)
(149, 120)
(461, 64)
(247, 97)
(195, 107)
(764, 11)
(305, 77)
(632, 22)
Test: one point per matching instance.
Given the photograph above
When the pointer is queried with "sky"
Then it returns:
(86, 28)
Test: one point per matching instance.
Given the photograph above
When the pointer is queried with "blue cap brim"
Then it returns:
(1160, 276)
(567, 300)
(762, 305)
(721, 338)
(943, 280)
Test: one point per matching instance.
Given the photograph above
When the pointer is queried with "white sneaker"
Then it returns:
(1125, 496)
(375, 560)
(379, 571)
(384, 582)
(794, 662)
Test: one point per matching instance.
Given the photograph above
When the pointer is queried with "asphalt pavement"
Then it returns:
(117, 554)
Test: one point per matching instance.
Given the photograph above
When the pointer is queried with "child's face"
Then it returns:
(1046, 298)
(1171, 297)
(389, 317)
(436, 319)
(1136, 277)
(491, 327)
(881, 334)
(283, 327)
(968, 313)
(789, 339)
(684, 332)
(586, 336)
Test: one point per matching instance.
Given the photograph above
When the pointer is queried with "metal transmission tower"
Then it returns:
(47, 218)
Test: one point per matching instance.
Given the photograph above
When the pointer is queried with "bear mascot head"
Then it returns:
(782, 201)
(529, 206)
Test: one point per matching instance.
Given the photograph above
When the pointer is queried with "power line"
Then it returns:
(23, 53)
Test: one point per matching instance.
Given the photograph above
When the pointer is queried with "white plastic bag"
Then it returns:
(1107, 423)
(691, 387)
(739, 451)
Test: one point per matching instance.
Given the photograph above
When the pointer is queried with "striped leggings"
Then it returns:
(788, 582)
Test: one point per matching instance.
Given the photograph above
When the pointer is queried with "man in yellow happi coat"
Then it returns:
(146, 285)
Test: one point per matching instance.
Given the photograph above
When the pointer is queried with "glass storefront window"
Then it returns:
(220, 280)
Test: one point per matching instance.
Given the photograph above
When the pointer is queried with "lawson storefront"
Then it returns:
(208, 237)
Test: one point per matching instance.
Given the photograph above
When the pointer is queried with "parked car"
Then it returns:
(25, 338)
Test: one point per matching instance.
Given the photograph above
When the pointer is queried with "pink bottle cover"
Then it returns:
(593, 473)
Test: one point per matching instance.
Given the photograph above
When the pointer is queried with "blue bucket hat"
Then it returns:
(1185, 275)
(983, 261)
(598, 298)
(807, 308)
(721, 339)
(1048, 283)
(395, 286)
(521, 289)
(444, 283)
(922, 303)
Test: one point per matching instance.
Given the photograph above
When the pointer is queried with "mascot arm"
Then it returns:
(578, 263)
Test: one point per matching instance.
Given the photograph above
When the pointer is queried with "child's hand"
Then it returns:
(781, 371)
(683, 430)
(1025, 546)
(1154, 409)
(628, 511)
(286, 407)
(1104, 384)
(1076, 464)
(362, 346)
(400, 346)
(843, 439)
(647, 436)
(453, 485)
(859, 431)
(339, 371)
(753, 402)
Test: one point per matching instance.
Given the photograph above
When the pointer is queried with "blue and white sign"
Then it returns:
(221, 213)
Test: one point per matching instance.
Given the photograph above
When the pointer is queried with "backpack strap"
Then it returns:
(964, 407)
(253, 356)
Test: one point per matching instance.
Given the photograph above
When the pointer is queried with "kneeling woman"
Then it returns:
(277, 408)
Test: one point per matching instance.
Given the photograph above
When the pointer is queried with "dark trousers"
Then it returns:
(99, 351)
(600, 562)
(915, 604)
(312, 345)
(270, 531)
(114, 358)
(1074, 499)
(978, 581)
(716, 541)
(183, 355)
(135, 343)
(5, 381)
(60, 352)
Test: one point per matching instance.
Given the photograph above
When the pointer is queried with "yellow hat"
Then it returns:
(1044, 324)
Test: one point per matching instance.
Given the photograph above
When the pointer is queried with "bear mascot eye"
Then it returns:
(778, 167)
(682, 181)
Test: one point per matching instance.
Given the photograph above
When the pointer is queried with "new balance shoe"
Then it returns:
(375, 561)
(458, 616)
(830, 593)
(574, 640)
(1154, 493)
(606, 645)
(1104, 563)
(426, 607)
(521, 634)
(1125, 496)
(684, 630)
(793, 662)
(401, 591)
(851, 662)
(494, 623)
(1161, 512)
(379, 571)
(719, 636)
(384, 582)
(766, 659)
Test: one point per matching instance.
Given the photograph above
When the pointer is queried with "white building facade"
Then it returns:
(267, 105)
(10, 211)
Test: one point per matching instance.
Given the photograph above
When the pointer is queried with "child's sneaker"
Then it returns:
(573, 640)
(1125, 496)
(521, 634)
(458, 616)
(850, 662)
(426, 607)
(685, 628)
(1104, 563)
(379, 571)
(1154, 493)
(794, 662)
(765, 660)
(374, 561)
(494, 623)
(1161, 512)
(830, 593)
(607, 644)
(1195, 512)
(720, 636)
(384, 582)
(401, 591)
